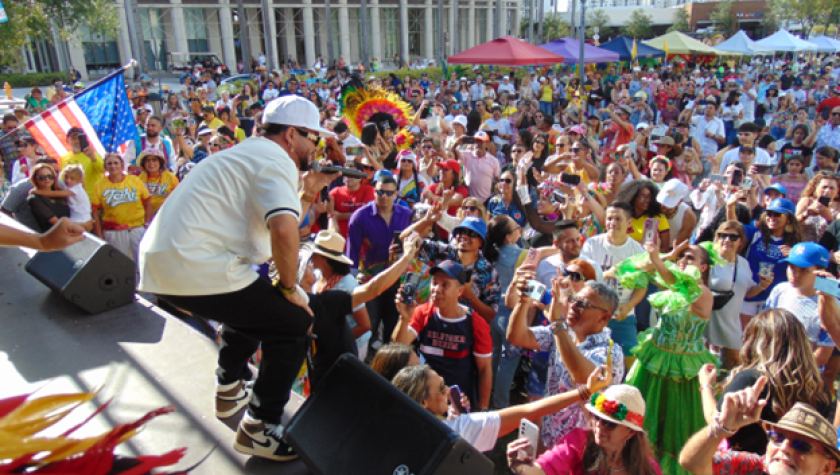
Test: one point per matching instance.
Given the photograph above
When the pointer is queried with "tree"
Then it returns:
(638, 25)
(36, 18)
(809, 13)
(553, 28)
(680, 21)
(600, 19)
(724, 18)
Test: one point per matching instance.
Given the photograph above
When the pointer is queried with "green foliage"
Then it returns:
(724, 18)
(462, 70)
(638, 25)
(680, 21)
(809, 13)
(235, 87)
(33, 80)
(36, 18)
(600, 19)
(553, 28)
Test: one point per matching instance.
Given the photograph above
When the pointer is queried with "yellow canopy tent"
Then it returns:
(680, 43)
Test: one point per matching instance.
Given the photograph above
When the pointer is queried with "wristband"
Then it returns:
(709, 386)
(557, 326)
(284, 290)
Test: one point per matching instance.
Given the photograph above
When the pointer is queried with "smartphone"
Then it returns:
(245, 97)
(468, 140)
(828, 286)
(570, 179)
(825, 200)
(84, 143)
(352, 173)
(409, 289)
(355, 150)
(651, 229)
(747, 184)
(826, 113)
(179, 123)
(524, 194)
(529, 430)
(737, 177)
(396, 240)
(763, 169)
(717, 178)
(531, 258)
(455, 398)
(535, 290)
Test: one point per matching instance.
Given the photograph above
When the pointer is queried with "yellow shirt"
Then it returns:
(583, 175)
(639, 226)
(508, 110)
(548, 94)
(159, 188)
(93, 170)
(239, 134)
(121, 203)
(487, 116)
(213, 124)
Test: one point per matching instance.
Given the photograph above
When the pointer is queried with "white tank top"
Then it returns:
(676, 223)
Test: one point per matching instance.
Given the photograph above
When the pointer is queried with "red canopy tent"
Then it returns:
(506, 51)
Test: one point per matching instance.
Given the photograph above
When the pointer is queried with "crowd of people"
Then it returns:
(637, 256)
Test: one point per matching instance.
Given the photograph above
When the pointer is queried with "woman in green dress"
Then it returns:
(36, 102)
(670, 355)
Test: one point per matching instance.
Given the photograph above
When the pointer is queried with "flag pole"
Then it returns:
(131, 64)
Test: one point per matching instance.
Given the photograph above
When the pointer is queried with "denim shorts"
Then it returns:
(624, 333)
(535, 385)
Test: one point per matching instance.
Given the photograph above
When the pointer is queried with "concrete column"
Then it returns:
(463, 31)
(403, 31)
(429, 27)
(471, 25)
(214, 35)
(77, 58)
(291, 42)
(226, 28)
(124, 44)
(308, 35)
(355, 52)
(517, 19)
(344, 30)
(376, 29)
(254, 28)
(502, 17)
(489, 21)
(272, 33)
(450, 46)
(179, 27)
(323, 39)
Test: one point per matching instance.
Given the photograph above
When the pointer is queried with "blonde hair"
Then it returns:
(472, 201)
(414, 382)
(75, 171)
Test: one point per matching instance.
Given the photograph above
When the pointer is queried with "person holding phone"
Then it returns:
(818, 206)
(82, 153)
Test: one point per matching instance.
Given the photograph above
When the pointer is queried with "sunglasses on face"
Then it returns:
(799, 445)
(539, 142)
(428, 147)
(833, 114)
(773, 214)
(584, 305)
(576, 149)
(314, 138)
(386, 192)
(506, 181)
(575, 276)
(365, 167)
(467, 232)
(731, 237)
(469, 208)
(46, 177)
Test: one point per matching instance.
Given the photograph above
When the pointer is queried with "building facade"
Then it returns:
(295, 30)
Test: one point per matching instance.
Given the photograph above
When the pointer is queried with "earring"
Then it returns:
(788, 228)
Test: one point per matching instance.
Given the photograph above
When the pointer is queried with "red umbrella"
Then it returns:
(506, 51)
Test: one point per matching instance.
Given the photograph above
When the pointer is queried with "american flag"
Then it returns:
(102, 111)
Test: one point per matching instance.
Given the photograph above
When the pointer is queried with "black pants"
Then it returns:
(257, 314)
(383, 309)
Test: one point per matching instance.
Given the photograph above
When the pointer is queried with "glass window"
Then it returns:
(416, 31)
(389, 19)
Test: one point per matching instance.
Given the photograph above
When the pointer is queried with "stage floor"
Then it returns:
(139, 355)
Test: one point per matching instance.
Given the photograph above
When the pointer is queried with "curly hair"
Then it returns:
(776, 344)
(791, 236)
(630, 191)
(812, 185)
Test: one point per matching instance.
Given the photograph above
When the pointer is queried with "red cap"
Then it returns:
(450, 165)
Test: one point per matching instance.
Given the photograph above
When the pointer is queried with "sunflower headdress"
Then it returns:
(360, 104)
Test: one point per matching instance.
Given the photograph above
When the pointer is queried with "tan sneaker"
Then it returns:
(231, 398)
(254, 437)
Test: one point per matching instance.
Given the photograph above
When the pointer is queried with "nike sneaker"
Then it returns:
(231, 398)
(255, 437)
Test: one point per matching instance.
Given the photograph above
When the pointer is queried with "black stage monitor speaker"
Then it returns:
(91, 274)
(357, 423)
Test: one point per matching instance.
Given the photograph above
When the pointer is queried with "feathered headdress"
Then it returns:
(358, 104)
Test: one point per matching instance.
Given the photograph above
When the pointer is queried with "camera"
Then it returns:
(409, 288)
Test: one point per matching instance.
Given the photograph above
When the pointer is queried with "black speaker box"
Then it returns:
(358, 423)
(91, 274)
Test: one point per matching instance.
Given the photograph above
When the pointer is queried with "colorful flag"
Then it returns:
(102, 111)
(635, 51)
(665, 48)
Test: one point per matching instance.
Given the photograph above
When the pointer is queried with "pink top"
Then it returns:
(567, 455)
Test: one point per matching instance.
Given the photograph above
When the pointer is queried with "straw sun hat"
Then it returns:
(622, 404)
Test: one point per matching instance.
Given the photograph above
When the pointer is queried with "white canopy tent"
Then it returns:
(741, 43)
(826, 44)
(782, 40)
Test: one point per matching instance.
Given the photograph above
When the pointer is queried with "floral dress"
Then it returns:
(668, 358)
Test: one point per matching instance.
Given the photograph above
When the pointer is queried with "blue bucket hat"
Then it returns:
(452, 269)
(474, 224)
(783, 206)
(807, 254)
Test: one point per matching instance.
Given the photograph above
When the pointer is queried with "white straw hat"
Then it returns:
(622, 404)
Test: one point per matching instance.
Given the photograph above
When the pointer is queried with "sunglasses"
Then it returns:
(507, 180)
(833, 114)
(731, 237)
(575, 276)
(386, 192)
(575, 149)
(428, 147)
(584, 305)
(471, 209)
(314, 138)
(799, 445)
(467, 232)
(773, 214)
(46, 177)
(608, 426)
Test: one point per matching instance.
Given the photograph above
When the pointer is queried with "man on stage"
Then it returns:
(238, 209)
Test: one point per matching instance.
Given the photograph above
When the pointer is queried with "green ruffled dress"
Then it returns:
(668, 358)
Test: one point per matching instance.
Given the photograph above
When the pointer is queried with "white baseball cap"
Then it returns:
(461, 119)
(295, 111)
(672, 192)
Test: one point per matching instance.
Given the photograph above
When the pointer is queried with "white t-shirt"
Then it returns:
(599, 249)
(701, 125)
(480, 429)
(507, 87)
(749, 105)
(500, 126)
(17, 174)
(732, 156)
(551, 265)
(213, 230)
(79, 203)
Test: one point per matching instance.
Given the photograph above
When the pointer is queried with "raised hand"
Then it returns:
(743, 408)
